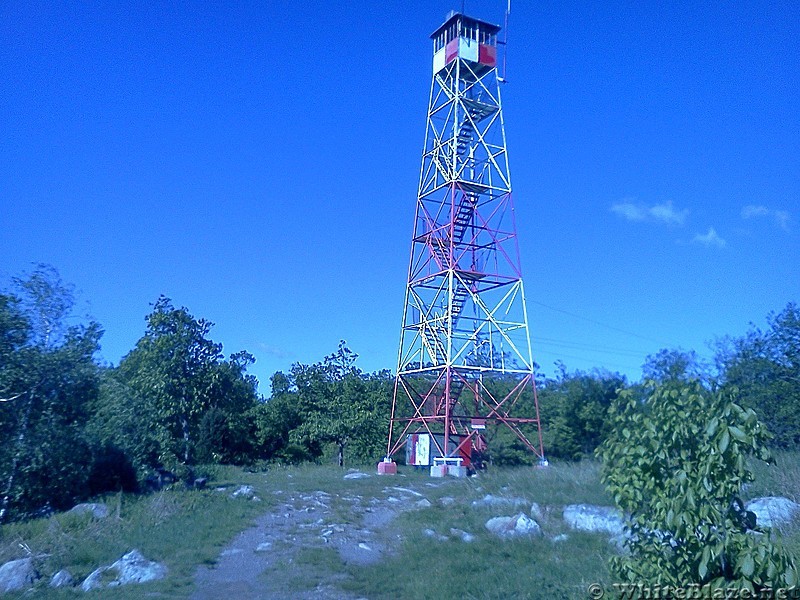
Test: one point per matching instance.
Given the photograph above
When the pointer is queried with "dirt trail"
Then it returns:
(260, 563)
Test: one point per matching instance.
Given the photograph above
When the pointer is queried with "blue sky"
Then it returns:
(258, 164)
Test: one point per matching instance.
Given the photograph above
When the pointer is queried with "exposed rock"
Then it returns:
(403, 490)
(97, 511)
(490, 500)
(62, 579)
(772, 511)
(536, 512)
(131, 568)
(437, 536)
(356, 475)
(447, 501)
(517, 525)
(423, 503)
(561, 537)
(200, 483)
(462, 535)
(243, 491)
(590, 517)
(17, 575)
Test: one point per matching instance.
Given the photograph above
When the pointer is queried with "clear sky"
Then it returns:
(258, 164)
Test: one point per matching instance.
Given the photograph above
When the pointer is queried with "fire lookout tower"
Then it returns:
(464, 365)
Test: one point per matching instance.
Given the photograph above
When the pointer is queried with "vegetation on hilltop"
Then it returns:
(71, 428)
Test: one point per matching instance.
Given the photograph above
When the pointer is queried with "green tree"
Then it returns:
(275, 420)
(173, 377)
(340, 405)
(48, 380)
(765, 366)
(676, 465)
(675, 365)
(574, 410)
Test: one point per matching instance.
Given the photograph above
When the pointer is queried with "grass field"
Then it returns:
(184, 529)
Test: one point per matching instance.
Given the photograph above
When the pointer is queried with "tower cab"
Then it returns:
(466, 38)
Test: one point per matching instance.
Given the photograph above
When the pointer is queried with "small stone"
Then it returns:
(463, 535)
(517, 525)
(356, 475)
(447, 501)
(264, 547)
(406, 491)
(424, 503)
(97, 511)
(490, 500)
(536, 512)
(363, 546)
(62, 579)
(245, 491)
(561, 537)
(589, 517)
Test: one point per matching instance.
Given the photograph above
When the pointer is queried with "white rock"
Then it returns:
(62, 579)
(536, 512)
(17, 575)
(98, 511)
(773, 511)
(131, 568)
(463, 535)
(561, 537)
(356, 475)
(517, 525)
(589, 517)
(406, 491)
(434, 535)
(447, 501)
(243, 491)
(363, 546)
(490, 500)
(424, 503)
(264, 547)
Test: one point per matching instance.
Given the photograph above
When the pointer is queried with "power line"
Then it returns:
(543, 341)
(601, 324)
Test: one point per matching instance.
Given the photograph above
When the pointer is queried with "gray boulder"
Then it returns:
(773, 511)
(131, 568)
(518, 525)
(356, 475)
(244, 491)
(97, 511)
(17, 575)
(491, 500)
(62, 579)
(464, 536)
(590, 517)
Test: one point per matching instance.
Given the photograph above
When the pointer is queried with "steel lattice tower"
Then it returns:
(464, 317)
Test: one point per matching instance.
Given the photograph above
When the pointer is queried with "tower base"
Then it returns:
(387, 467)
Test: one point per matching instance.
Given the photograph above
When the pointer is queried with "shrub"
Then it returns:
(676, 464)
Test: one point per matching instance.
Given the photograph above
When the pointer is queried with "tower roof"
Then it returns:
(453, 16)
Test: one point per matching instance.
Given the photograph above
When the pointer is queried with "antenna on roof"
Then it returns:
(505, 40)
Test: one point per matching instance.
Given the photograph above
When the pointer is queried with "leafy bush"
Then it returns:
(676, 464)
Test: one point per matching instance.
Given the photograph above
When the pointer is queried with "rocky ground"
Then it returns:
(261, 562)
